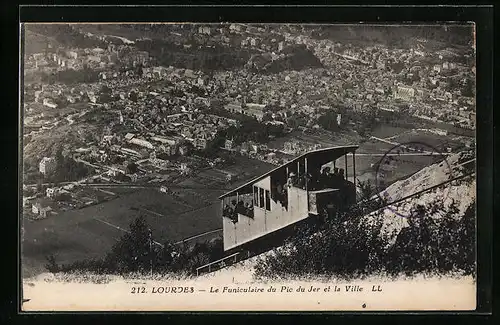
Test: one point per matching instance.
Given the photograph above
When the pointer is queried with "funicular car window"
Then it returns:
(261, 198)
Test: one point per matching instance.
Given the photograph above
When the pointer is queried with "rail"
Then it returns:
(425, 190)
(376, 197)
(221, 263)
(238, 257)
(199, 235)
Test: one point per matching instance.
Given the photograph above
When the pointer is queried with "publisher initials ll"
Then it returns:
(377, 288)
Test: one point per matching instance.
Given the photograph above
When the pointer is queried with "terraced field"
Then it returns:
(91, 232)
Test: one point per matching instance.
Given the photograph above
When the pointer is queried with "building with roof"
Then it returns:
(49, 103)
(404, 93)
(42, 207)
(47, 165)
(141, 143)
(129, 136)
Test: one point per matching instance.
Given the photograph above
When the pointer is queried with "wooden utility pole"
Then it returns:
(151, 251)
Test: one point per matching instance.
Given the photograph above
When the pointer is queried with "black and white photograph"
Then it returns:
(242, 166)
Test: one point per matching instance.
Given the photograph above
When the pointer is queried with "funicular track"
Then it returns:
(245, 255)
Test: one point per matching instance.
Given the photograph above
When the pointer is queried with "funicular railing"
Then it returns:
(235, 216)
(222, 263)
(240, 205)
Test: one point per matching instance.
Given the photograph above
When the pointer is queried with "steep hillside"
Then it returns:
(38, 43)
(380, 227)
(462, 192)
(46, 144)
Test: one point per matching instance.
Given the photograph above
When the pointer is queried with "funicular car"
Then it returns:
(315, 184)
(259, 214)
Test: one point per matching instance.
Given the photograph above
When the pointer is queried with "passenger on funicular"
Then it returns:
(316, 179)
(292, 180)
(308, 181)
(301, 181)
(234, 213)
(279, 192)
(226, 212)
(248, 210)
(240, 208)
(229, 212)
(285, 198)
(325, 179)
(343, 182)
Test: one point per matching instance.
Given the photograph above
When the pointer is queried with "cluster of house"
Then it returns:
(96, 58)
(42, 208)
(250, 109)
(180, 128)
(201, 128)
(51, 96)
(49, 203)
(47, 165)
(245, 36)
(381, 83)
(183, 129)
(142, 147)
(298, 148)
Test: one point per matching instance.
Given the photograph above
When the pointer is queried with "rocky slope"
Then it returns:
(394, 219)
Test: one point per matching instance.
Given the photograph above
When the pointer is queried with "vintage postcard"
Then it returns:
(248, 167)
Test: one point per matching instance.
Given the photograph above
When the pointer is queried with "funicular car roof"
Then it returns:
(319, 156)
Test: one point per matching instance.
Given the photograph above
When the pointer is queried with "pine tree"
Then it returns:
(60, 173)
(132, 252)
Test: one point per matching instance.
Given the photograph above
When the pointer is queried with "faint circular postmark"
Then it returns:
(404, 163)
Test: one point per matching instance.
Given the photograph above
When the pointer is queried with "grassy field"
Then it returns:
(385, 131)
(91, 232)
(323, 138)
(439, 142)
(366, 164)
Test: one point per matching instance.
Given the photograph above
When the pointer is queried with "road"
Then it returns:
(402, 154)
(157, 243)
(121, 229)
(422, 153)
(350, 57)
(144, 186)
(199, 235)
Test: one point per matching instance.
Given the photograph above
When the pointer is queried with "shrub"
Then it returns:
(136, 253)
(349, 247)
